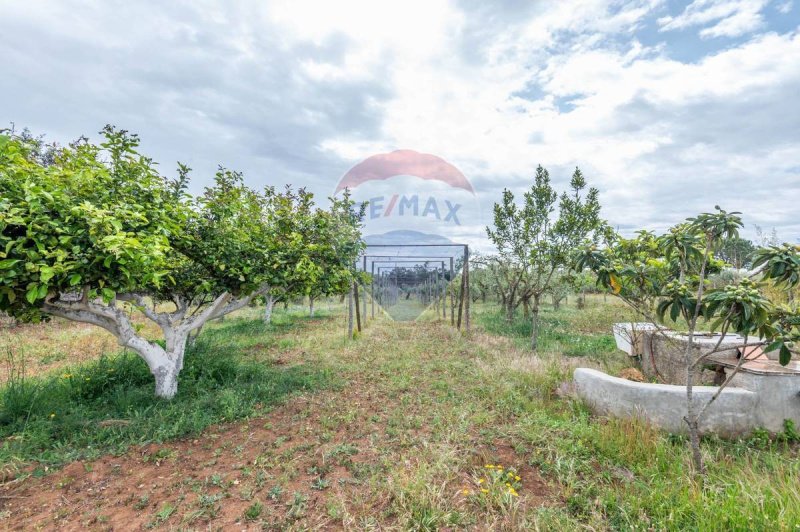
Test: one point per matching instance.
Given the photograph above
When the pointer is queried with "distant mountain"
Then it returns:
(406, 236)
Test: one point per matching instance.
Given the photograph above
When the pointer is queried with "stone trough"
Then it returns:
(761, 395)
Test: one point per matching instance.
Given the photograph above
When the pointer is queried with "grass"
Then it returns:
(623, 474)
(107, 404)
(570, 331)
(403, 443)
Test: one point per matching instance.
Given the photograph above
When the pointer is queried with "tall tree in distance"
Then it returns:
(539, 237)
(737, 251)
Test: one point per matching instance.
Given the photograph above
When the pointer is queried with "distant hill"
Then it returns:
(406, 236)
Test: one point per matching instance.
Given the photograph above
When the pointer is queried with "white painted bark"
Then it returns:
(270, 304)
(164, 363)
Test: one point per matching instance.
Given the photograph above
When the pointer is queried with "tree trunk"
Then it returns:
(311, 306)
(269, 304)
(556, 303)
(691, 416)
(350, 312)
(165, 364)
(526, 309)
(535, 324)
(166, 381)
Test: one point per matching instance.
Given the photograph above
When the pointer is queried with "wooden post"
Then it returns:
(466, 288)
(350, 314)
(358, 305)
(364, 269)
(372, 289)
(461, 292)
(452, 296)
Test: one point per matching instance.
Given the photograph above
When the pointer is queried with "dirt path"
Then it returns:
(402, 443)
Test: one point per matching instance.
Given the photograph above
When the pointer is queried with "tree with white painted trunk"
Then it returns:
(312, 250)
(96, 234)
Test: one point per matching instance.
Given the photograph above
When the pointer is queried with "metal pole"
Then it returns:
(372, 290)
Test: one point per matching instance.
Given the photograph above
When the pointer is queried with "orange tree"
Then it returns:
(95, 232)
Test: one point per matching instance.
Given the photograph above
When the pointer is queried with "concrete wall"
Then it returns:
(664, 405)
(777, 395)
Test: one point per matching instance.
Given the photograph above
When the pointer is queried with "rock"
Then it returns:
(632, 374)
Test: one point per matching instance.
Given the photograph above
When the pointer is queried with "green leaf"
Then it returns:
(674, 311)
(785, 356)
(45, 274)
(74, 279)
(32, 294)
(8, 263)
(773, 346)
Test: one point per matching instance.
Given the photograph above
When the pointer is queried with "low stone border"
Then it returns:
(734, 412)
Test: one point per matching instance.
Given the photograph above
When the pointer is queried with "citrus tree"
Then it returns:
(535, 241)
(97, 233)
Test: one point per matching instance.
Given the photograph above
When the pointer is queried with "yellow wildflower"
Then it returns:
(52, 415)
(489, 466)
(481, 481)
(484, 490)
(517, 477)
(465, 491)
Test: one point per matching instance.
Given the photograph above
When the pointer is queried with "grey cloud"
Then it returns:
(198, 86)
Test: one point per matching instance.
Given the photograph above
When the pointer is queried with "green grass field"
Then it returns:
(293, 427)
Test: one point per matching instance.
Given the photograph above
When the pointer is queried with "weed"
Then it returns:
(297, 506)
(253, 511)
(162, 515)
(142, 503)
(320, 484)
(275, 492)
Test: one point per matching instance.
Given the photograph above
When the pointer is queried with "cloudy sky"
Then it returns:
(668, 107)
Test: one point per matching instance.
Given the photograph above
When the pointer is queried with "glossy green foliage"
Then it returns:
(670, 273)
(100, 222)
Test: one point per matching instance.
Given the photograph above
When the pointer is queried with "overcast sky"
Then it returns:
(668, 107)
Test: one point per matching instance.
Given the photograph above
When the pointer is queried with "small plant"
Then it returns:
(253, 511)
(141, 504)
(790, 433)
(341, 453)
(297, 506)
(320, 484)
(496, 486)
(276, 492)
(162, 515)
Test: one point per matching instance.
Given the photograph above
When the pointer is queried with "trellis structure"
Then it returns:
(459, 310)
